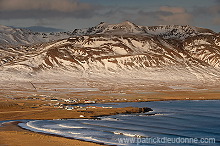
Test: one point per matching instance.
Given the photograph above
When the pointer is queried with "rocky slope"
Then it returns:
(157, 52)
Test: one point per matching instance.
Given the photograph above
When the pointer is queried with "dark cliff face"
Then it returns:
(145, 109)
(125, 110)
(138, 110)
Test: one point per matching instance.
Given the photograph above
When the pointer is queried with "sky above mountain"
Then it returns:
(70, 14)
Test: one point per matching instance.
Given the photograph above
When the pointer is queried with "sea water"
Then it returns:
(171, 123)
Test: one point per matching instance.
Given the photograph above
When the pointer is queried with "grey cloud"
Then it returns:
(168, 15)
(213, 10)
(210, 13)
(43, 14)
(172, 9)
(54, 5)
(36, 9)
(197, 11)
(216, 21)
(163, 15)
(155, 14)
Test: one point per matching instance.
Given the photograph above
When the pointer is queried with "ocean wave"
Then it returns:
(171, 120)
(153, 114)
(73, 133)
(65, 126)
(30, 126)
(110, 119)
(127, 115)
(129, 134)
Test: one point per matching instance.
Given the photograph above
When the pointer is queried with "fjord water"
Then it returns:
(171, 119)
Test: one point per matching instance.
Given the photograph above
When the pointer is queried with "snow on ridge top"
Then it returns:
(180, 32)
(5, 29)
(11, 30)
(127, 27)
(125, 24)
(185, 28)
(204, 30)
(102, 24)
(168, 28)
(120, 28)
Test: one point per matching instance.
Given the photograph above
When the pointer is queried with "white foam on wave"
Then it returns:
(51, 126)
(73, 133)
(128, 115)
(129, 134)
(29, 125)
(110, 119)
(65, 126)
(156, 114)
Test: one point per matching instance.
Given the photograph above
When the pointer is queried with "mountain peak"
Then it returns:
(128, 27)
(125, 23)
(128, 23)
(101, 25)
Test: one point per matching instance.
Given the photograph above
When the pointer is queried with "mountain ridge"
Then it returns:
(17, 36)
(174, 51)
(129, 27)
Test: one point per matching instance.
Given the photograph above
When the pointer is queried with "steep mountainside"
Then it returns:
(161, 52)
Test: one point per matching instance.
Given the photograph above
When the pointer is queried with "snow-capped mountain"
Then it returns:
(14, 36)
(157, 52)
(164, 31)
(104, 28)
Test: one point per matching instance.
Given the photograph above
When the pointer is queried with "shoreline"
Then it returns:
(17, 129)
(158, 100)
(13, 125)
(54, 135)
(46, 138)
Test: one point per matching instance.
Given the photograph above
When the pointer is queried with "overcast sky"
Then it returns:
(71, 14)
